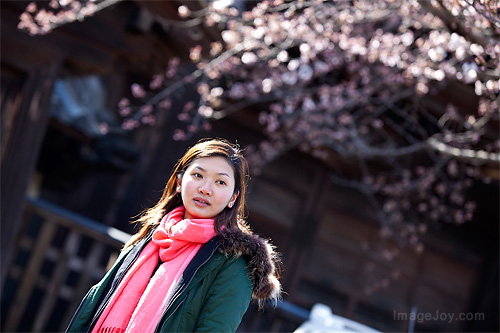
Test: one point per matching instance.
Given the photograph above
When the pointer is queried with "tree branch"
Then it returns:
(469, 155)
(452, 23)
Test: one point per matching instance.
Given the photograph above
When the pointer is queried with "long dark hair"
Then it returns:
(231, 218)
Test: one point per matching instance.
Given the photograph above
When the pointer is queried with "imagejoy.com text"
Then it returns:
(449, 317)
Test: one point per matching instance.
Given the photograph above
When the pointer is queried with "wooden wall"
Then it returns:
(327, 233)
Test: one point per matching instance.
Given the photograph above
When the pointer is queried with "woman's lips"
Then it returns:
(201, 202)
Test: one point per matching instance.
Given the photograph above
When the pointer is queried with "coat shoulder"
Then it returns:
(263, 261)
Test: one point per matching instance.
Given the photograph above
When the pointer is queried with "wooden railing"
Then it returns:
(59, 255)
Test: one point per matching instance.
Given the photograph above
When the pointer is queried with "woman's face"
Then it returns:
(207, 187)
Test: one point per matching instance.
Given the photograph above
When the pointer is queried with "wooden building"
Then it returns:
(53, 250)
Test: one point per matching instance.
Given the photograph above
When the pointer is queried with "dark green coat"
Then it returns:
(213, 294)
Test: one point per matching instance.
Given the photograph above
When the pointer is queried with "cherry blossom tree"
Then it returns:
(41, 17)
(351, 80)
(378, 85)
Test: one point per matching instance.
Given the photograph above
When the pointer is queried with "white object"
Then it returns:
(321, 319)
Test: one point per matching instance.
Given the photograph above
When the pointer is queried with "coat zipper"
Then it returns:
(176, 308)
(106, 301)
(174, 298)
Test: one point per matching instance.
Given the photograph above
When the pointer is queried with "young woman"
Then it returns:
(194, 265)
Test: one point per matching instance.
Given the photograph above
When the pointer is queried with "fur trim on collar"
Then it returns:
(263, 262)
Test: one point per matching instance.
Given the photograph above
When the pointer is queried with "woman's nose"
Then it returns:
(205, 189)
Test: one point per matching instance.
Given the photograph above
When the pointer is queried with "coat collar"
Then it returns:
(263, 261)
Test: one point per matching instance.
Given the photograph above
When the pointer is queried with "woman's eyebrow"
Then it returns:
(220, 173)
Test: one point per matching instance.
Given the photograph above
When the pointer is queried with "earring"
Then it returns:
(230, 205)
(178, 189)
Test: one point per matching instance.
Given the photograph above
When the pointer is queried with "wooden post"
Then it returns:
(56, 281)
(28, 281)
(26, 129)
(305, 230)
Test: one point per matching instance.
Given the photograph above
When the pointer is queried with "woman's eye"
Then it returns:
(197, 175)
(221, 182)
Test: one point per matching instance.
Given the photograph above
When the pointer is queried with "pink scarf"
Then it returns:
(138, 303)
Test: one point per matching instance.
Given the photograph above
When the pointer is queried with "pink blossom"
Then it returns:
(130, 124)
(31, 8)
(195, 53)
(138, 91)
(156, 82)
(179, 135)
(188, 106)
(125, 111)
(104, 128)
(183, 11)
(183, 116)
(146, 109)
(206, 126)
(123, 102)
(149, 120)
(192, 128)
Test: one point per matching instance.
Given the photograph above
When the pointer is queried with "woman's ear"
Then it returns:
(179, 181)
(233, 198)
